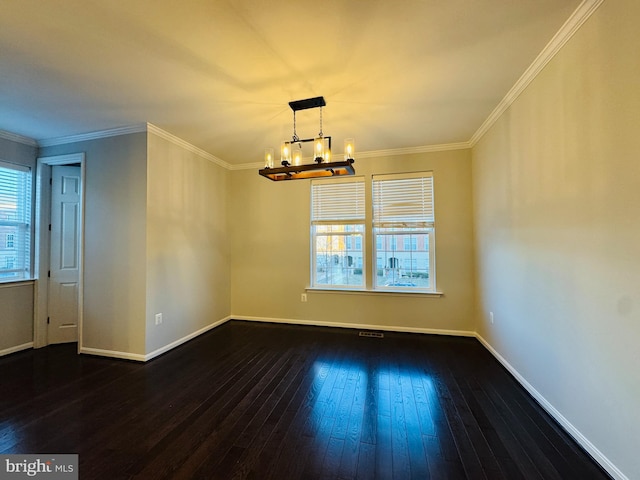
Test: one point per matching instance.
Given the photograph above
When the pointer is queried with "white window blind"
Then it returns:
(403, 201)
(337, 201)
(15, 221)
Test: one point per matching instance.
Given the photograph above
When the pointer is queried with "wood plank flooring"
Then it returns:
(264, 401)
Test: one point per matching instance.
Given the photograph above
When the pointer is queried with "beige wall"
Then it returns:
(115, 244)
(16, 300)
(557, 203)
(16, 152)
(16, 316)
(155, 242)
(270, 252)
(187, 246)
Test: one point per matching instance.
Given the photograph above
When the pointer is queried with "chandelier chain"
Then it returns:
(320, 134)
(295, 137)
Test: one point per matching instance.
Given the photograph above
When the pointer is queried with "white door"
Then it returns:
(65, 254)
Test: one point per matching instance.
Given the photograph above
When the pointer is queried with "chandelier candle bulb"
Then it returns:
(297, 156)
(327, 155)
(349, 148)
(268, 157)
(319, 149)
(285, 153)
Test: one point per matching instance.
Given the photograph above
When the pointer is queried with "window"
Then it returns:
(410, 242)
(337, 229)
(403, 214)
(15, 222)
(402, 232)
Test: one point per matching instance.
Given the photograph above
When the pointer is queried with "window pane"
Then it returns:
(338, 260)
(403, 268)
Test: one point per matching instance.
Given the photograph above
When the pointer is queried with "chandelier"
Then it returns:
(291, 152)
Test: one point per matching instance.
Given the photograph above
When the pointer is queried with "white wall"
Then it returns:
(270, 252)
(114, 314)
(155, 242)
(188, 277)
(16, 317)
(557, 201)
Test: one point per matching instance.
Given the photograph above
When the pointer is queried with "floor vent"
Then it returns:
(371, 334)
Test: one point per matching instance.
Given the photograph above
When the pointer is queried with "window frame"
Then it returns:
(349, 222)
(20, 249)
(414, 216)
(374, 244)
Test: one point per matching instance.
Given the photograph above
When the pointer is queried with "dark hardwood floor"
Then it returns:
(263, 401)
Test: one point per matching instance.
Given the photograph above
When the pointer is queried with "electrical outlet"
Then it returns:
(303, 297)
(491, 317)
(158, 318)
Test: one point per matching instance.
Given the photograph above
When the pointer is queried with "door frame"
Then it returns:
(43, 245)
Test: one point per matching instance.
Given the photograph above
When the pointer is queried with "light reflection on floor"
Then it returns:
(355, 402)
(8, 437)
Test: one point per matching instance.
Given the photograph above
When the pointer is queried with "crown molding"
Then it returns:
(139, 128)
(409, 150)
(571, 26)
(83, 137)
(187, 146)
(14, 137)
(247, 166)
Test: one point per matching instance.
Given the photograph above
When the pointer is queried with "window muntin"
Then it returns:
(15, 222)
(404, 231)
(337, 232)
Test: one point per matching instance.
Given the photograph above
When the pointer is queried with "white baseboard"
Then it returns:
(17, 348)
(184, 339)
(112, 354)
(145, 358)
(583, 441)
(386, 328)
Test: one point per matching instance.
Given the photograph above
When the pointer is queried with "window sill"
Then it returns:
(16, 283)
(398, 293)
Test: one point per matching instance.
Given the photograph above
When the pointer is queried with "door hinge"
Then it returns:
(50, 181)
(48, 320)
(49, 274)
(49, 227)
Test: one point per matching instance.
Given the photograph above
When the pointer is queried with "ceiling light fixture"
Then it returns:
(291, 155)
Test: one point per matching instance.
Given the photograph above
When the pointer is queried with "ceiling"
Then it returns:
(219, 73)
